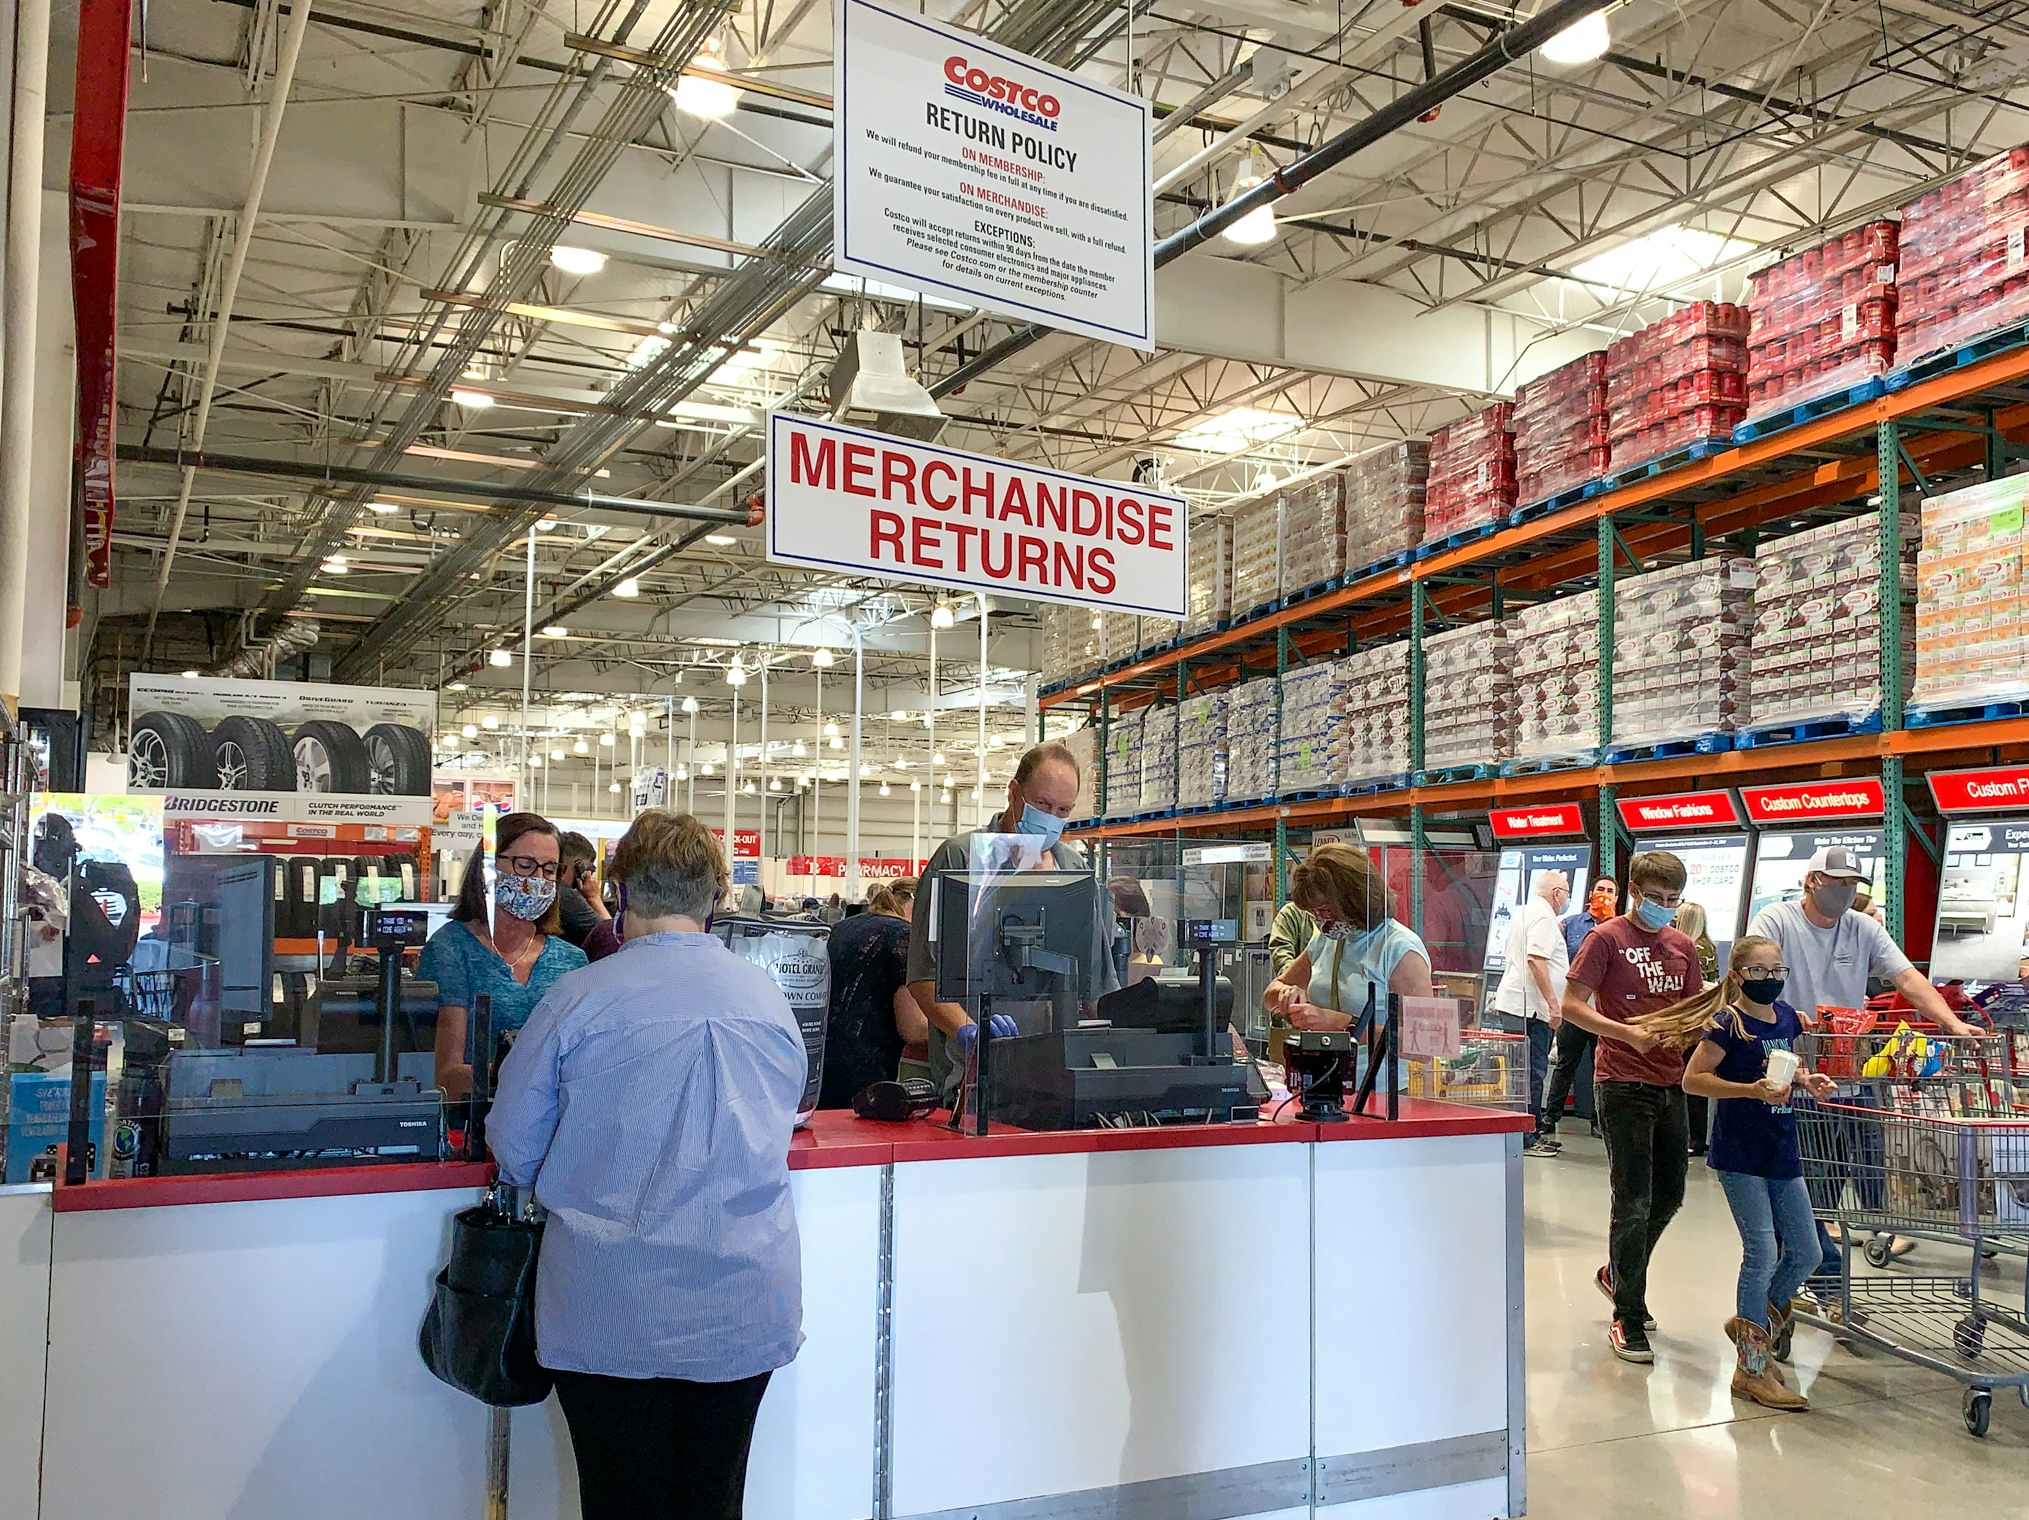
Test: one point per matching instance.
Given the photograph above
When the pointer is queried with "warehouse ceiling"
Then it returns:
(394, 285)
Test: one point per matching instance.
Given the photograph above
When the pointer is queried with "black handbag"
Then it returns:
(479, 1332)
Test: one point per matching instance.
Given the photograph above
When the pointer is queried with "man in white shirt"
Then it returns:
(1532, 988)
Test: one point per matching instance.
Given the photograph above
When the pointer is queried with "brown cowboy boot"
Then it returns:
(1752, 1377)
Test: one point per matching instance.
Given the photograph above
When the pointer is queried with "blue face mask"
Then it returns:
(1047, 827)
(1653, 916)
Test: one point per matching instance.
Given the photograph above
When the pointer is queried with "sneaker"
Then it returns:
(1535, 1145)
(1630, 1343)
(1603, 1280)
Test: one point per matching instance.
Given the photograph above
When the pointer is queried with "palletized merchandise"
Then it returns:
(1680, 653)
(1385, 492)
(1305, 750)
(1252, 710)
(1972, 635)
(1313, 532)
(1819, 620)
(1677, 382)
(1468, 689)
(1553, 649)
(1121, 795)
(1963, 270)
(1822, 320)
(1209, 570)
(1560, 429)
(1372, 716)
(1083, 743)
(1257, 554)
(1119, 637)
(1472, 473)
(1070, 643)
(1158, 758)
(1201, 750)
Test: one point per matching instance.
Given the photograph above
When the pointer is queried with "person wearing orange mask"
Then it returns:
(1573, 1041)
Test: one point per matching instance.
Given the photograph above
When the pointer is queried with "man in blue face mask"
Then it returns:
(1040, 798)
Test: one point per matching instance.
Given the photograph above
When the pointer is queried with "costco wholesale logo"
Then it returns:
(993, 92)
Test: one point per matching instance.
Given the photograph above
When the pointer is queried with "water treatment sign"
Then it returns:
(985, 176)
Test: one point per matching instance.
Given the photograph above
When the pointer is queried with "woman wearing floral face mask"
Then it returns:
(514, 960)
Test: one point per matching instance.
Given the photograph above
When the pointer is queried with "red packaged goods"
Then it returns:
(1823, 320)
(1677, 382)
(1557, 388)
(1561, 429)
(1472, 473)
(1963, 267)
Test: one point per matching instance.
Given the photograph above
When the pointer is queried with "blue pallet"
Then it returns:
(1456, 540)
(1997, 342)
(1676, 459)
(1809, 411)
(1311, 794)
(1261, 611)
(1543, 765)
(1395, 783)
(1805, 730)
(1669, 749)
(1387, 562)
(1549, 504)
(1196, 808)
(1320, 588)
(1445, 775)
(1941, 713)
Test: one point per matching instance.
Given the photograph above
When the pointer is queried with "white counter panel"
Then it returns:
(1484, 1500)
(1111, 1317)
(24, 1334)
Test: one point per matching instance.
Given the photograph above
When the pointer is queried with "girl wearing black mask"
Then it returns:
(1745, 1062)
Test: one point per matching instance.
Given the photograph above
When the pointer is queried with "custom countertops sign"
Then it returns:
(1802, 801)
(842, 498)
(967, 170)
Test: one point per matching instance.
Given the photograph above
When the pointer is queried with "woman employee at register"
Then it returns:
(514, 960)
(1358, 952)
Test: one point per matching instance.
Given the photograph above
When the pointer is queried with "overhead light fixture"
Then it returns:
(941, 616)
(500, 659)
(578, 261)
(821, 659)
(607, 740)
(628, 589)
(614, 786)
(946, 795)
(837, 743)
(470, 730)
(915, 786)
(900, 715)
(535, 761)
(683, 773)
(190, 675)
(474, 401)
(690, 704)
(581, 748)
(736, 674)
(699, 95)
(748, 789)
(774, 783)
(831, 730)
(938, 758)
(796, 750)
(1582, 41)
(884, 788)
(1257, 226)
(720, 540)
(637, 725)
(489, 722)
(336, 567)
(556, 754)
(870, 381)
(458, 686)
(705, 769)
(901, 762)
(383, 508)
(555, 631)
(1239, 429)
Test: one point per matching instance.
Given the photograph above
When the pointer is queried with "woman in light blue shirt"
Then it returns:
(650, 1102)
(1359, 955)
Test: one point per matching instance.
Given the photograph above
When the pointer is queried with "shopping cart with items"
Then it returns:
(1491, 1070)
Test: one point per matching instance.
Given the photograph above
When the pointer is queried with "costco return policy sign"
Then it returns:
(841, 498)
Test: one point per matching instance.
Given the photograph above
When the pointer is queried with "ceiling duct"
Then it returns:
(870, 383)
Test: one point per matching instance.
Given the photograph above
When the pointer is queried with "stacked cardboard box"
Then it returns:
(1553, 648)
(1306, 751)
(1821, 321)
(1209, 570)
(1819, 619)
(1119, 637)
(1472, 473)
(1972, 636)
(1313, 532)
(1963, 269)
(1468, 697)
(1560, 429)
(1121, 796)
(1070, 644)
(1680, 651)
(1201, 750)
(1253, 710)
(1257, 554)
(1084, 743)
(1385, 491)
(1679, 381)
(1373, 714)
(1158, 758)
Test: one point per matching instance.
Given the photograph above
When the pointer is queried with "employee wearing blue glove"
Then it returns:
(1039, 798)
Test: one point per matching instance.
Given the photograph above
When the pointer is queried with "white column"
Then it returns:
(23, 253)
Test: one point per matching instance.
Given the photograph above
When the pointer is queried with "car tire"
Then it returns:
(398, 761)
(168, 751)
(329, 757)
(252, 755)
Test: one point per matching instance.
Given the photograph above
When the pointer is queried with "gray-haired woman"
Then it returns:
(650, 1101)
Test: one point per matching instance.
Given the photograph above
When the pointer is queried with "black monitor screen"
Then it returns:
(989, 923)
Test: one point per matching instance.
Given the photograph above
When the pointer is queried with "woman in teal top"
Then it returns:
(514, 960)
(1358, 956)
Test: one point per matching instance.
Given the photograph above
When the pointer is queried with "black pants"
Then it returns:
(1647, 1161)
(1572, 1043)
(660, 1448)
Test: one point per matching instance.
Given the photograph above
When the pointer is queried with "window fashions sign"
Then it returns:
(842, 498)
(991, 177)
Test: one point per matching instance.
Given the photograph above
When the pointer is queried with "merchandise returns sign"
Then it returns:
(842, 498)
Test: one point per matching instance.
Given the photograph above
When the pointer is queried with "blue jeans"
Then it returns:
(1778, 1239)
(1540, 1035)
(1854, 1153)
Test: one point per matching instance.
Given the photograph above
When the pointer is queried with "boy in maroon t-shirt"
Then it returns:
(1629, 966)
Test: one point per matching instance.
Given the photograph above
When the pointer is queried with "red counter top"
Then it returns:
(253, 1187)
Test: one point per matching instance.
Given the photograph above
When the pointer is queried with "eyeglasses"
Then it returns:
(1763, 973)
(528, 865)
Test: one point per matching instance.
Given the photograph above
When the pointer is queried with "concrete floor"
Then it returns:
(1613, 1440)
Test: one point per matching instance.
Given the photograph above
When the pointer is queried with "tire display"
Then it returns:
(168, 750)
(398, 761)
(252, 755)
(330, 757)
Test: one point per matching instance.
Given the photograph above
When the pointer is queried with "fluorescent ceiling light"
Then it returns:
(1580, 42)
(940, 616)
(628, 589)
(535, 761)
(720, 541)
(556, 754)
(555, 631)
(1257, 226)
(470, 730)
(821, 659)
(500, 659)
(489, 722)
(575, 260)
(337, 567)
(690, 704)
(710, 411)
(458, 686)
(382, 507)
(476, 401)
(190, 675)
(581, 748)
(1661, 258)
(698, 95)
(1237, 430)
(608, 740)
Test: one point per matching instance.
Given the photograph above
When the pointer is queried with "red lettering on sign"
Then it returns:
(941, 468)
(886, 530)
(859, 469)
(923, 545)
(813, 468)
(1099, 567)
(898, 477)
(1161, 526)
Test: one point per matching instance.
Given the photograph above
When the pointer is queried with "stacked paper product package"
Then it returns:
(1468, 697)
(1121, 795)
(1472, 473)
(1308, 751)
(1385, 492)
(1560, 429)
(1208, 569)
(1158, 758)
(1553, 649)
(1819, 621)
(1680, 651)
(1257, 555)
(1373, 718)
(1972, 635)
(1313, 533)
(1084, 744)
(1119, 637)
(1252, 734)
(1201, 750)
(1821, 321)
(1070, 644)
(1964, 269)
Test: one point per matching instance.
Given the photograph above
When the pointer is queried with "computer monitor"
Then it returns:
(243, 895)
(1019, 935)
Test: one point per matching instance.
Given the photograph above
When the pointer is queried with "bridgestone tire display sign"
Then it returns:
(990, 177)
